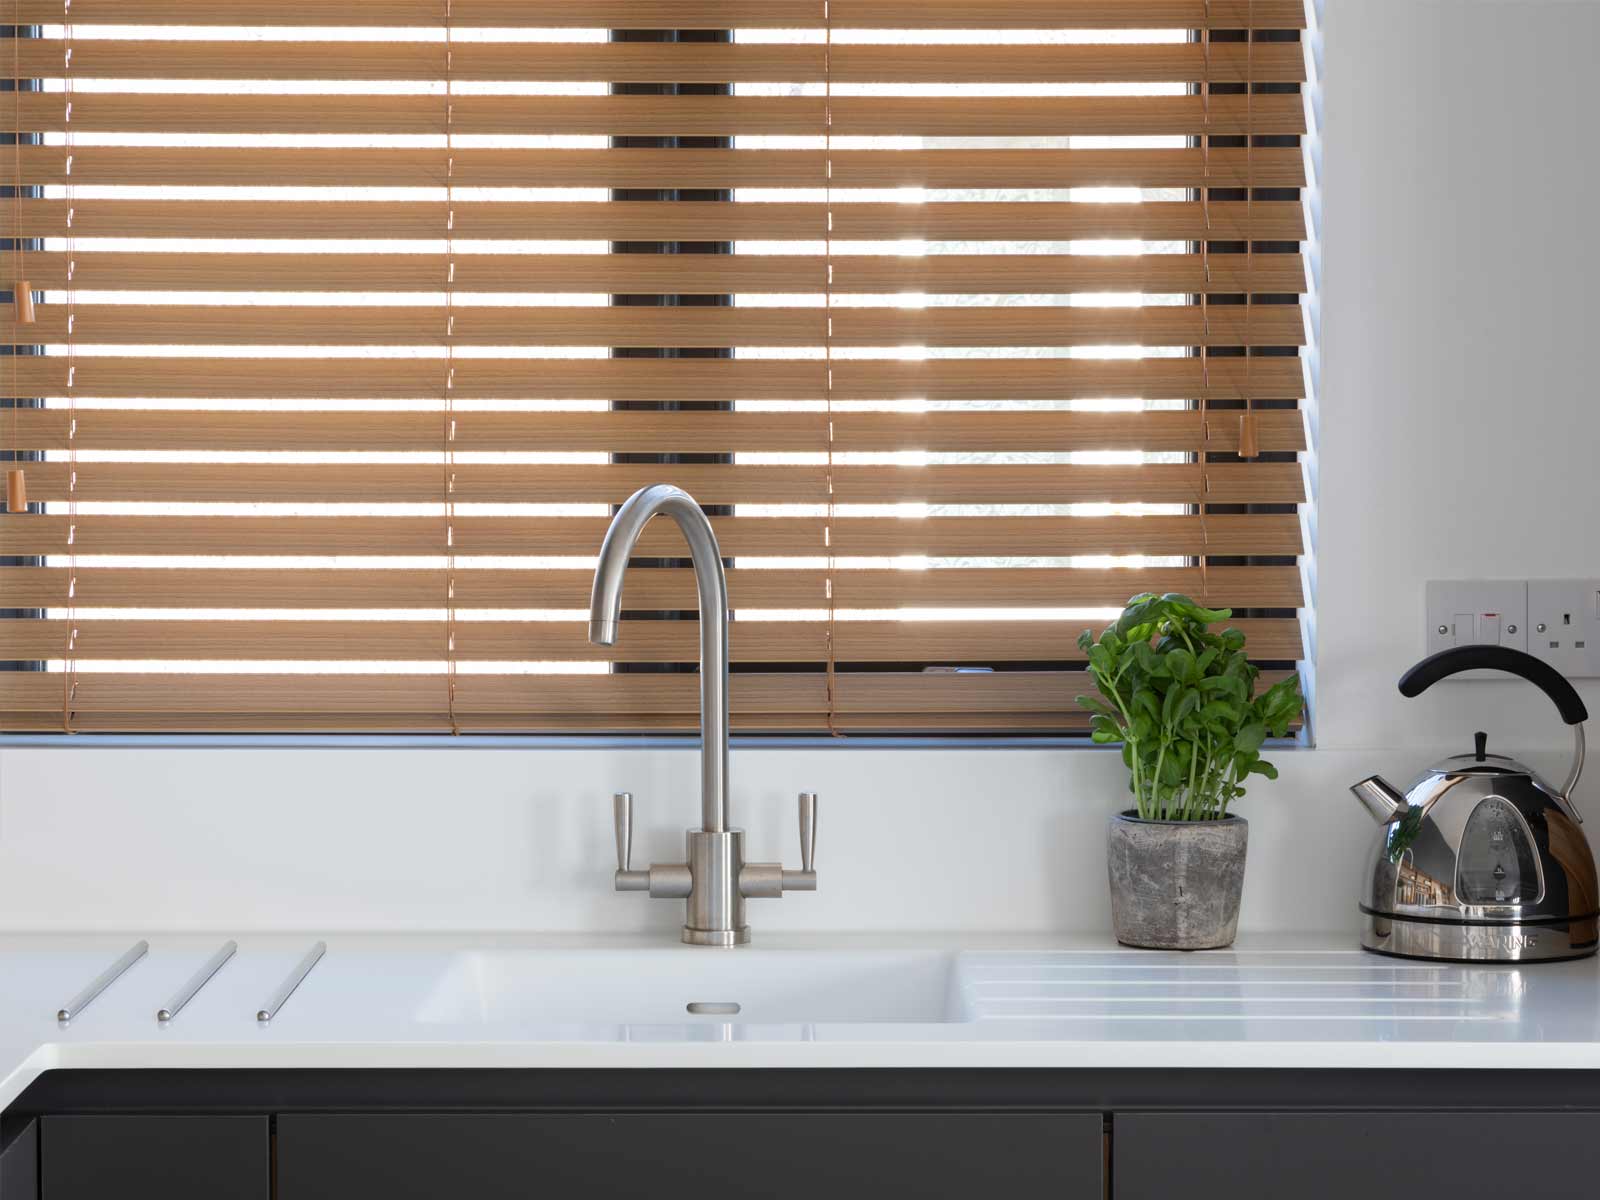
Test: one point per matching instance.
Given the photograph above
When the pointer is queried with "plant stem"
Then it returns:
(1155, 784)
(1194, 761)
(1133, 743)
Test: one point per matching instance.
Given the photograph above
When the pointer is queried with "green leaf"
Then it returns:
(1188, 704)
(1251, 736)
(1191, 608)
(1135, 614)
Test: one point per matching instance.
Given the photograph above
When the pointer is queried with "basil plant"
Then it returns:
(1182, 701)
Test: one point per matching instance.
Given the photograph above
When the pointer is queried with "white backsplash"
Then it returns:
(329, 840)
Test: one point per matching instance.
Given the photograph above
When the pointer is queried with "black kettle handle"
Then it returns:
(1497, 658)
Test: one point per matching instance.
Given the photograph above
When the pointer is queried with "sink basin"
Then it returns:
(677, 985)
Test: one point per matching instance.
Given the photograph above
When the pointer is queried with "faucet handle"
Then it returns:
(771, 880)
(671, 880)
(808, 831)
(622, 817)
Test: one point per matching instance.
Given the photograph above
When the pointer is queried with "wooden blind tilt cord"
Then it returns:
(69, 674)
(21, 289)
(831, 635)
(448, 406)
(1249, 441)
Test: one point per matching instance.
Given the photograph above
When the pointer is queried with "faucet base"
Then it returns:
(714, 914)
(716, 937)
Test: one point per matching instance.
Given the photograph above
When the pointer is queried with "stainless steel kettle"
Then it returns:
(1480, 860)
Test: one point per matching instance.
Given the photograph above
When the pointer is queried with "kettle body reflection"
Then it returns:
(1479, 859)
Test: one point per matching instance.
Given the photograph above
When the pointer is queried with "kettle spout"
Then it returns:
(1381, 799)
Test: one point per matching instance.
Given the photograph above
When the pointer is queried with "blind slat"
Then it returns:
(601, 483)
(194, 325)
(119, 702)
(566, 641)
(685, 62)
(646, 221)
(645, 433)
(749, 536)
(665, 588)
(690, 14)
(655, 116)
(944, 274)
(682, 379)
(312, 166)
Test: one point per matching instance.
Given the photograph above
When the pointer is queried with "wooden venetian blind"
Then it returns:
(352, 322)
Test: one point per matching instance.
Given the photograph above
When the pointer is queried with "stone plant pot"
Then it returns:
(1175, 885)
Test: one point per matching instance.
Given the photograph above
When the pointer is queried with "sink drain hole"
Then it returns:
(712, 1008)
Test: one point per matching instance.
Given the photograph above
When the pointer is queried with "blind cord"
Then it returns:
(21, 289)
(69, 675)
(827, 352)
(1249, 446)
(449, 455)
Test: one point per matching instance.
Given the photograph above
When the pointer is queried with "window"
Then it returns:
(353, 323)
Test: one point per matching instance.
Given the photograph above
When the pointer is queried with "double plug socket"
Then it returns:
(1557, 620)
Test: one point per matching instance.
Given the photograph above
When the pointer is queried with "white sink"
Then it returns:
(685, 984)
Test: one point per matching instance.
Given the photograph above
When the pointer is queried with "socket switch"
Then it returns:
(1476, 613)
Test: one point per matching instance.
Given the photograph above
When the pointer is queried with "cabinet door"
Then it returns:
(19, 1165)
(701, 1155)
(155, 1158)
(1337, 1156)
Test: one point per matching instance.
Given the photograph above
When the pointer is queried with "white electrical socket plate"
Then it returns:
(1564, 625)
(1557, 620)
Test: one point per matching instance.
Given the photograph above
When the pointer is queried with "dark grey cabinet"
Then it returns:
(128, 1157)
(596, 1134)
(706, 1155)
(1338, 1156)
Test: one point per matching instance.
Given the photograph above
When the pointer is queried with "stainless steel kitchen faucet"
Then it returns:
(716, 880)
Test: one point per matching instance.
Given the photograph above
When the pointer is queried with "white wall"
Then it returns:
(1456, 438)
(1460, 428)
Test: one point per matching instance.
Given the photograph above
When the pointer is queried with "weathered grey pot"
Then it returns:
(1175, 885)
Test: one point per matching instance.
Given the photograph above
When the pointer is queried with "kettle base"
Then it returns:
(1461, 941)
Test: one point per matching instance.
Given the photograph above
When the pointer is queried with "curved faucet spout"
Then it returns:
(605, 612)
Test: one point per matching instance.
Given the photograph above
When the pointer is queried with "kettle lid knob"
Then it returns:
(1480, 745)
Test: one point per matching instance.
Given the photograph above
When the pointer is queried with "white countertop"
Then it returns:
(1274, 1001)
